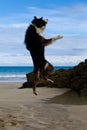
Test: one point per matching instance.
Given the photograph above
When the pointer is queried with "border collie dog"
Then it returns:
(35, 42)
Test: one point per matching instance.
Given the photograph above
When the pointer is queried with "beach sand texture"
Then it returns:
(21, 110)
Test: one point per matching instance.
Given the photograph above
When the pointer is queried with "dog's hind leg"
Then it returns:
(34, 89)
(36, 81)
(48, 69)
(47, 79)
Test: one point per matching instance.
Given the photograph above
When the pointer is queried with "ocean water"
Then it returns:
(18, 73)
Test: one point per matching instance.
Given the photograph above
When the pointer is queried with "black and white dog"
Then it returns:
(35, 42)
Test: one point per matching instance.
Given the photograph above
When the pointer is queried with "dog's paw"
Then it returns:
(50, 80)
(35, 93)
(58, 37)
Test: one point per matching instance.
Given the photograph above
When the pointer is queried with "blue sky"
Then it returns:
(67, 17)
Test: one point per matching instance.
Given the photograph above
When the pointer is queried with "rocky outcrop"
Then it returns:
(75, 78)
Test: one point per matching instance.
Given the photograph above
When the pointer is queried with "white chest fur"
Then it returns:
(39, 30)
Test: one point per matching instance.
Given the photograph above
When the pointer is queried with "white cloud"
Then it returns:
(66, 60)
(11, 60)
(14, 25)
(20, 59)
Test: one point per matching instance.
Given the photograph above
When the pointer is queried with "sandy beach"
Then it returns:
(50, 110)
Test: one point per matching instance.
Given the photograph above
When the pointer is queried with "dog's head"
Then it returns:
(40, 22)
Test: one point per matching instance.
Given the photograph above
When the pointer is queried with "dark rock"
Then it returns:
(75, 78)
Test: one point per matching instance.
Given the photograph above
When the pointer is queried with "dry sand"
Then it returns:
(21, 110)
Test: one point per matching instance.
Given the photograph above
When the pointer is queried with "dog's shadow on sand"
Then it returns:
(70, 98)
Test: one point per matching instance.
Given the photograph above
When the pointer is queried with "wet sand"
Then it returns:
(21, 110)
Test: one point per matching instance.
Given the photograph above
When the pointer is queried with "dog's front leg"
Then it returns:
(57, 37)
(47, 42)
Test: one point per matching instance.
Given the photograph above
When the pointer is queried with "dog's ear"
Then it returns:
(35, 17)
(41, 18)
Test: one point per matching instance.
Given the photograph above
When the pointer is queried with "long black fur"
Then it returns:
(35, 43)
